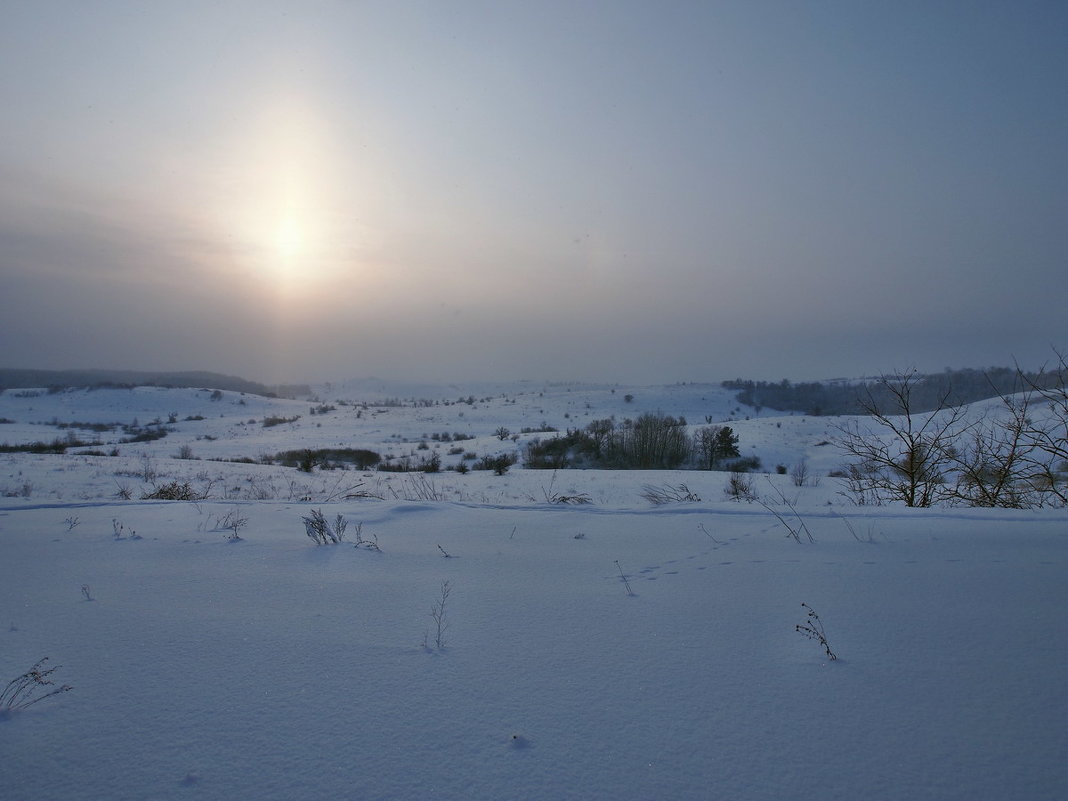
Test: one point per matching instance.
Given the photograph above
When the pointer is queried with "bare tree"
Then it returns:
(712, 444)
(999, 462)
(1048, 435)
(908, 455)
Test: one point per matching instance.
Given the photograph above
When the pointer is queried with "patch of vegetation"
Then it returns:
(61, 380)
(651, 442)
(175, 491)
(498, 464)
(56, 446)
(137, 433)
(98, 428)
(32, 686)
(405, 464)
(952, 388)
(326, 458)
(273, 420)
(322, 531)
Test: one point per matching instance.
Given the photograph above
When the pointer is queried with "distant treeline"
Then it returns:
(12, 378)
(841, 397)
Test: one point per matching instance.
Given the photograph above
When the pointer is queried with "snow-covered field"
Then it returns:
(610, 650)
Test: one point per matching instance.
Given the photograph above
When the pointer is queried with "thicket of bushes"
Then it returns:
(651, 442)
(957, 455)
(307, 459)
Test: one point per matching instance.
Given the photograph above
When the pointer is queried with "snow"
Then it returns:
(271, 668)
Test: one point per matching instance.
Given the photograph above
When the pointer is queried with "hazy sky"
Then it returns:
(455, 190)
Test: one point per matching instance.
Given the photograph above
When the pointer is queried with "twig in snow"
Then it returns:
(626, 583)
(21, 692)
(813, 629)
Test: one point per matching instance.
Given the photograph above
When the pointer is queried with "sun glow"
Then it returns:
(291, 206)
(289, 240)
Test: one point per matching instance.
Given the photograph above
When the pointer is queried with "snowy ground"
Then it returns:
(271, 668)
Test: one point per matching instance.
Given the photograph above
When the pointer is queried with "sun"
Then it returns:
(289, 240)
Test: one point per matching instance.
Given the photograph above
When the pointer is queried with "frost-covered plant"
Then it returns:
(813, 629)
(793, 530)
(25, 690)
(234, 522)
(120, 531)
(576, 499)
(622, 575)
(175, 491)
(669, 494)
(437, 614)
(371, 544)
(320, 530)
(739, 487)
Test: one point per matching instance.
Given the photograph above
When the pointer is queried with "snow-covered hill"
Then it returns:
(610, 650)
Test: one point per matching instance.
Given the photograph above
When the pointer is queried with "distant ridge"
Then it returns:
(15, 378)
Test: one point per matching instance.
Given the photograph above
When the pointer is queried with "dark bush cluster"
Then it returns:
(498, 464)
(651, 442)
(273, 420)
(174, 491)
(58, 445)
(326, 458)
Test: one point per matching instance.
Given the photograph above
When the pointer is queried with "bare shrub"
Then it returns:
(794, 530)
(813, 629)
(626, 583)
(740, 487)
(907, 457)
(321, 531)
(29, 688)
(175, 491)
(275, 420)
(368, 545)
(669, 494)
(440, 618)
(418, 488)
(577, 499)
(234, 522)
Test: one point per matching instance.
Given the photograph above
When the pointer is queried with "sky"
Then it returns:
(564, 189)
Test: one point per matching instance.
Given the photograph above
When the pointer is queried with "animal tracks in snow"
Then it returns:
(700, 562)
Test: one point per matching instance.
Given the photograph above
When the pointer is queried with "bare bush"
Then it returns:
(813, 629)
(30, 688)
(440, 618)
(576, 499)
(908, 456)
(418, 488)
(996, 464)
(669, 494)
(234, 522)
(1049, 436)
(626, 583)
(794, 530)
(366, 544)
(175, 491)
(321, 531)
(740, 487)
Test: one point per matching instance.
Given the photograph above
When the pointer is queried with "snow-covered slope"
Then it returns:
(610, 650)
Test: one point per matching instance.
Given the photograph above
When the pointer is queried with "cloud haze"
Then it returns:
(628, 191)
